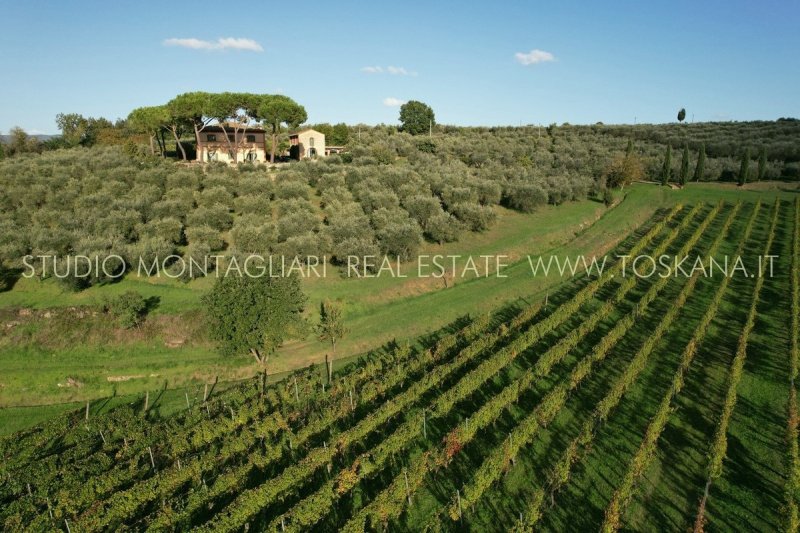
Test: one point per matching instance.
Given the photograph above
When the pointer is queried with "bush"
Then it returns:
(525, 197)
(204, 235)
(216, 216)
(476, 217)
(129, 309)
(442, 228)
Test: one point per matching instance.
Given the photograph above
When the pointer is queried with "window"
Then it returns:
(311, 142)
(251, 138)
(211, 137)
(231, 137)
(252, 156)
(212, 155)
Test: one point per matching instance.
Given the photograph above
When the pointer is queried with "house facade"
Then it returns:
(307, 144)
(231, 144)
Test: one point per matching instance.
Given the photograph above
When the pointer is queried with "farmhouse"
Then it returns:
(232, 143)
(307, 144)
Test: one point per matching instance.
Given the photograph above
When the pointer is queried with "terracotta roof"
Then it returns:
(298, 132)
(229, 129)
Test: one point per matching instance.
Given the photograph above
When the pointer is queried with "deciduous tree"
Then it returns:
(416, 117)
(255, 314)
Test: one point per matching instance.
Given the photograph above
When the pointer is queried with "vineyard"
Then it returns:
(619, 402)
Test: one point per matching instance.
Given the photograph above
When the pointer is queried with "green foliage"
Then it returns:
(684, 172)
(762, 163)
(254, 314)
(129, 309)
(744, 167)
(608, 197)
(416, 118)
(700, 168)
(666, 167)
(331, 326)
(524, 196)
(681, 115)
(276, 110)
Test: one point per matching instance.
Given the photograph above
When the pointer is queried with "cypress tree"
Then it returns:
(629, 148)
(684, 165)
(744, 167)
(666, 169)
(762, 164)
(700, 169)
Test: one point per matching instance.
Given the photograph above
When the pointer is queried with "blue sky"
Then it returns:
(475, 63)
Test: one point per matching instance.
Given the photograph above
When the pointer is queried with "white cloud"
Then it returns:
(393, 102)
(395, 71)
(533, 57)
(223, 43)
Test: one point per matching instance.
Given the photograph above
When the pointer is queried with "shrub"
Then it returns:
(476, 217)
(129, 309)
(443, 227)
(216, 216)
(204, 235)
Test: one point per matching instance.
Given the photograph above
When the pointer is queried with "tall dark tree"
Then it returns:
(666, 168)
(276, 110)
(681, 115)
(762, 163)
(700, 168)
(340, 135)
(416, 117)
(744, 167)
(255, 314)
(629, 148)
(684, 175)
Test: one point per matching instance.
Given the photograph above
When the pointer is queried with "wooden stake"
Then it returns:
(352, 405)
(152, 461)
(296, 391)
(205, 393)
(30, 493)
(283, 525)
(87, 411)
(67, 524)
(49, 508)
(424, 424)
(146, 400)
(103, 437)
(188, 406)
(460, 511)
(408, 491)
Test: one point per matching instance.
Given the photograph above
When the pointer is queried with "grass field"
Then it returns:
(604, 408)
(172, 349)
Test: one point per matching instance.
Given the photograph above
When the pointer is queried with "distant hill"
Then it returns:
(7, 138)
